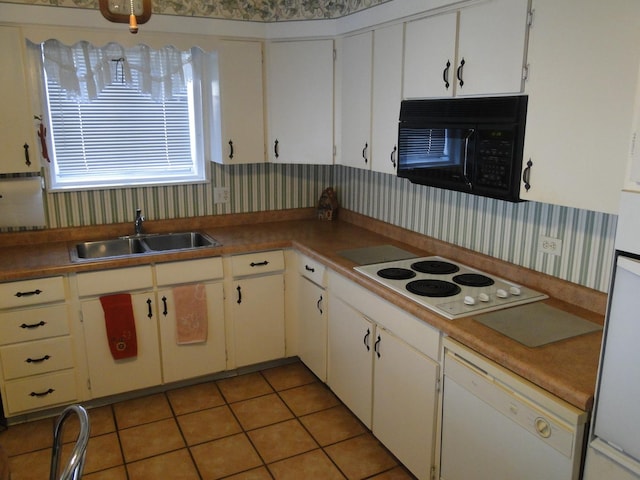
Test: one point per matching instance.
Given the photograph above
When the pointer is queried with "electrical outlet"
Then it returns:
(552, 246)
(221, 195)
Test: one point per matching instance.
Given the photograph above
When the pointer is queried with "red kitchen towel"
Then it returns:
(191, 314)
(121, 325)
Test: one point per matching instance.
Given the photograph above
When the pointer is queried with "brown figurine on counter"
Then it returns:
(328, 205)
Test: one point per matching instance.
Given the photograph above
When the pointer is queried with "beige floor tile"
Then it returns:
(244, 387)
(333, 425)
(256, 474)
(142, 410)
(150, 439)
(117, 473)
(174, 465)
(398, 473)
(314, 464)
(31, 466)
(282, 440)
(361, 457)
(195, 397)
(261, 411)
(206, 425)
(102, 452)
(289, 376)
(27, 437)
(309, 398)
(225, 456)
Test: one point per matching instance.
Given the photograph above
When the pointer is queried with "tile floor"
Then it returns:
(280, 423)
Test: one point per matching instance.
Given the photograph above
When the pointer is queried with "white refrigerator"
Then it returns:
(614, 449)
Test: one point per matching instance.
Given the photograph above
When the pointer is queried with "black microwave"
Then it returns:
(471, 145)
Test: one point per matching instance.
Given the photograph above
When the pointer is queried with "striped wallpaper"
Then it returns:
(500, 229)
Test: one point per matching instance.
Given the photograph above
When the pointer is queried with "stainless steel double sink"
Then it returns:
(141, 244)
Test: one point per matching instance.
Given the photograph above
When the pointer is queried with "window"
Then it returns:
(126, 117)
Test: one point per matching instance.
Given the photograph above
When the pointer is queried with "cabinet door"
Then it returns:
(109, 376)
(387, 94)
(241, 102)
(350, 358)
(581, 87)
(16, 122)
(300, 101)
(180, 361)
(430, 56)
(356, 68)
(312, 327)
(404, 402)
(257, 314)
(492, 43)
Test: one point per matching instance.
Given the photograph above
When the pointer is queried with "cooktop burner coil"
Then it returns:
(435, 267)
(394, 273)
(433, 288)
(473, 280)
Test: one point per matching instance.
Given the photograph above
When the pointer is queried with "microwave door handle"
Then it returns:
(466, 156)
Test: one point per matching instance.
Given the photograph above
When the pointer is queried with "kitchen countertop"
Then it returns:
(566, 368)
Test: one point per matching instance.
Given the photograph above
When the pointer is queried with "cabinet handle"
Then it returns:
(42, 394)
(364, 152)
(459, 72)
(276, 150)
(309, 269)
(37, 360)
(28, 294)
(164, 304)
(41, 323)
(526, 175)
(318, 305)
(445, 76)
(230, 149)
(366, 339)
(394, 152)
(239, 294)
(150, 314)
(376, 346)
(259, 264)
(27, 161)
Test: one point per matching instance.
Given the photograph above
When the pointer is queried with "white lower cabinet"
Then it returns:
(382, 365)
(256, 308)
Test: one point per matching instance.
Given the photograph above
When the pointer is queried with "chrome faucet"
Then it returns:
(137, 224)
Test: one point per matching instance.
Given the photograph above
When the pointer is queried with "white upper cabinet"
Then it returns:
(355, 57)
(300, 101)
(241, 103)
(387, 94)
(581, 86)
(478, 50)
(20, 152)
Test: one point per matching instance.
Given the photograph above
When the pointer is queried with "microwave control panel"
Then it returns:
(494, 155)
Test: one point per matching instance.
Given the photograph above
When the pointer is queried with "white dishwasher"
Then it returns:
(498, 426)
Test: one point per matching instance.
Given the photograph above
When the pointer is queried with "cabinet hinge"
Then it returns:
(438, 384)
(530, 18)
(88, 384)
(335, 54)
(433, 473)
(525, 72)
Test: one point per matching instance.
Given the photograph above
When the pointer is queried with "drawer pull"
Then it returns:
(309, 269)
(42, 394)
(28, 294)
(41, 323)
(37, 360)
(259, 264)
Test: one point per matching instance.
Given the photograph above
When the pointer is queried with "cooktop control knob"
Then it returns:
(515, 291)
(483, 297)
(502, 293)
(469, 300)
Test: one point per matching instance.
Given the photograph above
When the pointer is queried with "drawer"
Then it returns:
(257, 263)
(34, 358)
(33, 324)
(36, 393)
(116, 280)
(31, 292)
(189, 271)
(312, 269)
